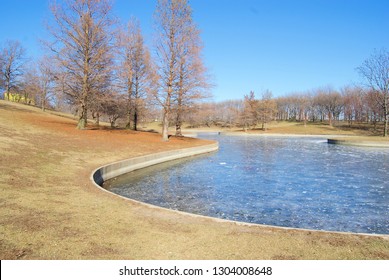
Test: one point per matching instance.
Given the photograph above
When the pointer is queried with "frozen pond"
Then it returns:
(289, 182)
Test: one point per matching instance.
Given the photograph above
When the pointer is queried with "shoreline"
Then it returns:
(358, 143)
(118, 168)
(233, 222)
(109, 171)
(336, 139)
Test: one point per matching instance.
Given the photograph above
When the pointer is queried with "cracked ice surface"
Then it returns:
(290, 182)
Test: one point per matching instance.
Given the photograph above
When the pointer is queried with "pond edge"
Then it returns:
(109, 171)
(116, 169)
(360, 143)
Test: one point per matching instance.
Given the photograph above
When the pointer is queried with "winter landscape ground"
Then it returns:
(51, 210)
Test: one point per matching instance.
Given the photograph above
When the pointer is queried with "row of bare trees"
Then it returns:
(94, 56)
(20, 79)
(351, 104)
(367, 103)
(102, 68)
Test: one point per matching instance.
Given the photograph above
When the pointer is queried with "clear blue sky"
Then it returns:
(283, 46)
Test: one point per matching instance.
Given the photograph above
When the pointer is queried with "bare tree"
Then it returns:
(193, 80)
(172, 18)
(28, 89)
(304, 102)
(64, 102)
(205, 114)
(267, 108)
(36, 86)
(330, 102)
(82, 46)
(12, 60)
(374, 112)
(45, 81)
(114, 107)
(249, 114)
(283, 108)
(2, 82)
(135, 71)
(375, 71)
(354, 105)
(228, 112)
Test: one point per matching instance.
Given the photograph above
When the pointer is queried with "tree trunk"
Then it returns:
(8, 91)
(43, 100)
(82, 121)
(386, 115)
(136, 103)
(129, 103)
(178, 129)
(135, 127)
(97, 122)
(179, 119)
(129, 117)
(165, 126)
(166, 111)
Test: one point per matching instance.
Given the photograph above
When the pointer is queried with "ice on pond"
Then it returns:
(292, 182)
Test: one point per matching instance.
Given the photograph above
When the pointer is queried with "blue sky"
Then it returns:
(284, 46)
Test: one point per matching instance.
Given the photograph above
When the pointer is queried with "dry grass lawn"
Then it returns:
(318, 128)
(51, 210)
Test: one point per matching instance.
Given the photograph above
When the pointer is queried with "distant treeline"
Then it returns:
(351, 104)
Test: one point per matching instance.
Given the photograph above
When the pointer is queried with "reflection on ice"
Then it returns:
(290, 182)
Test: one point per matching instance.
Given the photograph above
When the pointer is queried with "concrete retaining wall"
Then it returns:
(119, 168)
(359, 143)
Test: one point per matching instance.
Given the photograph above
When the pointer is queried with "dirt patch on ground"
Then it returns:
(51, 210)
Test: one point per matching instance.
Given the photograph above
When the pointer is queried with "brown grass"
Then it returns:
(317, 128)
(51, 210)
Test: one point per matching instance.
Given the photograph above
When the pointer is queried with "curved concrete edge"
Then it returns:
(358, 143)
(115, 169)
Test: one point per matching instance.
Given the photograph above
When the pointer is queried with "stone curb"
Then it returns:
(358, 143)
(115, 169)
